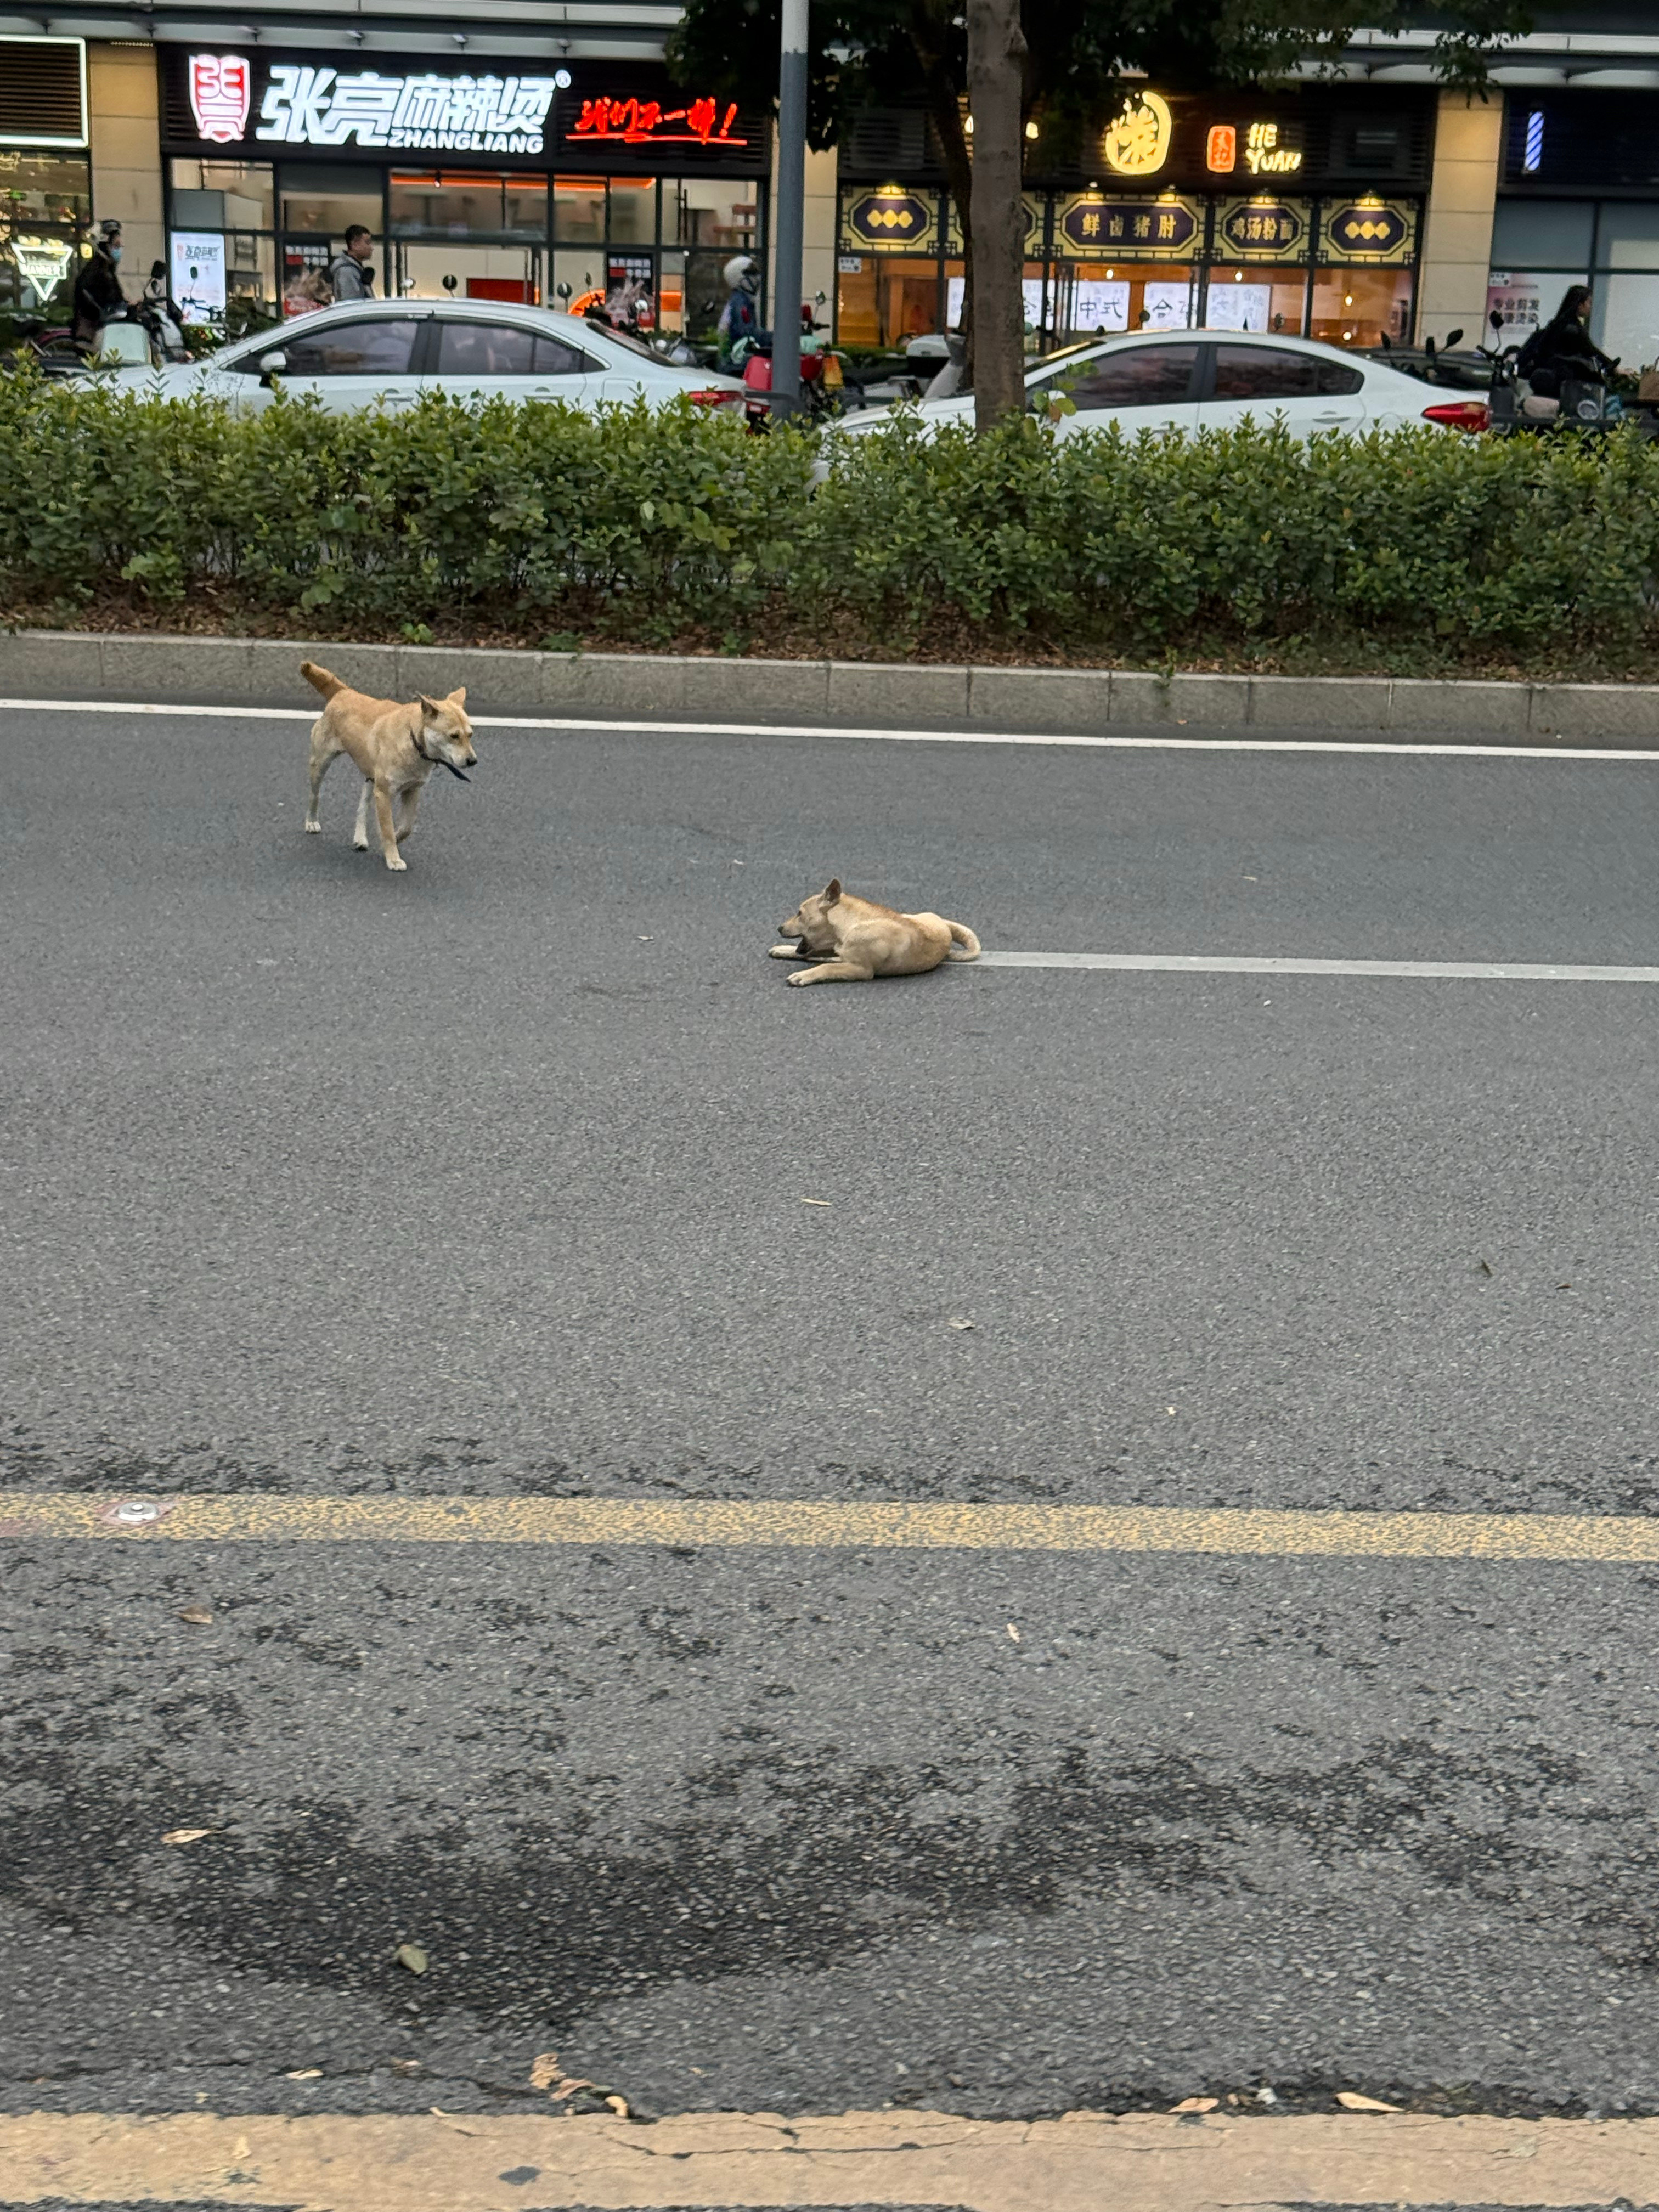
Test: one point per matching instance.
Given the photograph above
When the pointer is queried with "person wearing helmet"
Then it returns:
(739, 322)
(98, 298)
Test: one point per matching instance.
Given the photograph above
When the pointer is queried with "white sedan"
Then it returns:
(1187, 380)
(390, 353)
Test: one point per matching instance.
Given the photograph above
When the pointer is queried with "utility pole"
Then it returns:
(791, 212)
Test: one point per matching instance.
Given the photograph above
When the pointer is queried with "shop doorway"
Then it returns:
(421, 271)
(467, 234)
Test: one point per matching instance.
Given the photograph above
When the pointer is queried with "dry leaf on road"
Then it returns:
(1196, 2105)
(186, 1835)
(959, 1320)
(618, 2105)
(816, 1201)
(412, 1956)
(1352, 2101)
(304, 2074)
(197, 1615)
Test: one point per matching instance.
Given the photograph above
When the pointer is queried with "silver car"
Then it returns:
(388, 353)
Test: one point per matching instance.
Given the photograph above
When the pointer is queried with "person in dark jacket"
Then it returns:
(98, 298)
(1564, 348)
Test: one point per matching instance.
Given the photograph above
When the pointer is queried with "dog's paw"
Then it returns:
(360, 844)
(396, 862)
(804, 976)
(313, 829)
(784, 952)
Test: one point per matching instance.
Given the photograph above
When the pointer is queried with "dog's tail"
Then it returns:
(963, 938)
(320, 680)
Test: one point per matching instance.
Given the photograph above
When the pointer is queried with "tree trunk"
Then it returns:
(996, 49)
(930, 31)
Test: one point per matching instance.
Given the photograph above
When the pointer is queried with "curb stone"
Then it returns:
(230, 672)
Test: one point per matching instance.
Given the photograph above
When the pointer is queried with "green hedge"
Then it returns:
(640, 527)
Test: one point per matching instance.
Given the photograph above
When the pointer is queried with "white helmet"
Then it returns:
(742, 273)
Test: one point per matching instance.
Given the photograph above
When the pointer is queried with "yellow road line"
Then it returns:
(1145, 2162)
(731, 1523)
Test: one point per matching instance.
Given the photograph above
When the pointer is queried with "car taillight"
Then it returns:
(715, 396)
(1461, 415)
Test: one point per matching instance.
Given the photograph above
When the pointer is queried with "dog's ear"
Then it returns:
(458, 696)
(832, 889)
(430, 709)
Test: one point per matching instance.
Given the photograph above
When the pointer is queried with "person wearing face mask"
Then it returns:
(98, 298)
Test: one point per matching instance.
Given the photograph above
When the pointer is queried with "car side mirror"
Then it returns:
(271, 364)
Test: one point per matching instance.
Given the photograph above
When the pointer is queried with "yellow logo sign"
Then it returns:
(1264, 156)
(889, 218)
(1138, 144)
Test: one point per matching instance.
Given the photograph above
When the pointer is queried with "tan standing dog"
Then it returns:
(395, 750)
(853, 940)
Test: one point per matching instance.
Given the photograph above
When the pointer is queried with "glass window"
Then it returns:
(1361, 307)
(1626, 316)
(1256, 297)
(526, 205)
(1629, 236)
(1542, 233)
(1267, 373)
(377, 347)
(54, 188)
(702, 211)
(503, 350)
(633, 210)
(245, 196)
(1139, 376)
(579, 210)
(319, 201)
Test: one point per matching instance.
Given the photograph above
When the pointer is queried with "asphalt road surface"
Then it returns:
(491, 1178)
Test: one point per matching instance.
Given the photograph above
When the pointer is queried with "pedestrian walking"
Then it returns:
(351, 274)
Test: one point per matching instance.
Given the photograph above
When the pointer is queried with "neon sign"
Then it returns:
(43, 264)
(1221, 148)
(642, 122)
(1136, 143)
(306, 107)
(1265, 156)
(221, 87)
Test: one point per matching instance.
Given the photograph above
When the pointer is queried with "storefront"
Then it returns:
(1294, 211)
(1578, 203)
(46, 170)
(557, 185)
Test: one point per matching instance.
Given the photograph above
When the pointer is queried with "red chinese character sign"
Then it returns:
(634, 122)
(221, 90)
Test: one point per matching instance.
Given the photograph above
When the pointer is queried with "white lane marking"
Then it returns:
(1383, 746)
(1202, 964)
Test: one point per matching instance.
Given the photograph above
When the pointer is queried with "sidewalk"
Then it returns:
(1082, 2162)
(262, 672)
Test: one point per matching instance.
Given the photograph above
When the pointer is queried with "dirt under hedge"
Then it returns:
(1417, 553)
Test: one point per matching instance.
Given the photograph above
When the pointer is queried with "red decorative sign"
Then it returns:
(642, 122)
(221, 86)
(1221, 148)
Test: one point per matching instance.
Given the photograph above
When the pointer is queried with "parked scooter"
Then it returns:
(1585, 406)
(823, 376)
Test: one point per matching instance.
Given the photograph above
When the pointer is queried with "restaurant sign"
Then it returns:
(1033, 209)
(892, 222)
(1262, 230)
(1088, 224)
(1368, 230)
(631, 115)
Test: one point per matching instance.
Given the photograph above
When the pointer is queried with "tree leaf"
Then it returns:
(412, 1956)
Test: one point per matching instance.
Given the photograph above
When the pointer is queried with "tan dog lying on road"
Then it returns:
(395, 750)
(853, 940)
